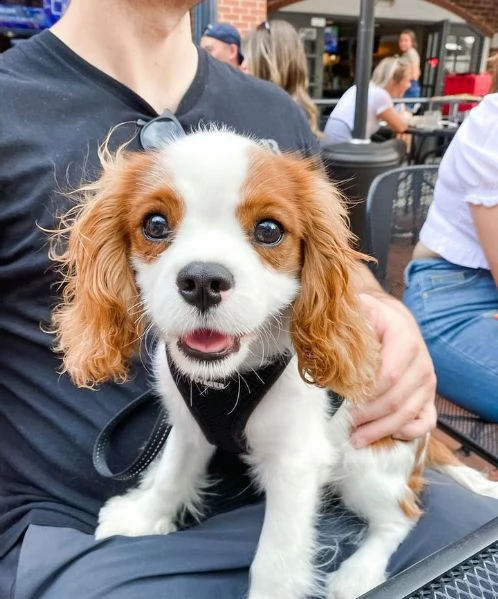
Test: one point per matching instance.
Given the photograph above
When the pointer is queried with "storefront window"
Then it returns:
(459, 53)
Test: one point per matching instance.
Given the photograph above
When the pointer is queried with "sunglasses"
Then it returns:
(264, 26)
(159, 131)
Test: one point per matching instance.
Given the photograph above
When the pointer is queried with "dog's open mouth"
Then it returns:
(205, 344)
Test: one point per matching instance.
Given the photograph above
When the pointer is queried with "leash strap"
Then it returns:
(149, 451)
(155, 441)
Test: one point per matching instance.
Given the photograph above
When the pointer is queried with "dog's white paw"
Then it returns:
(134, 514)
(351, 581)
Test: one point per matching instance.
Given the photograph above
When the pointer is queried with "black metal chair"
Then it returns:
(397, 205)
(467, 569)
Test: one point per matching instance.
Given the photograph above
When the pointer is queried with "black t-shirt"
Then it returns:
(55, 110)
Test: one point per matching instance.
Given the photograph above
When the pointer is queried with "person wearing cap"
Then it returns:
(222, 41)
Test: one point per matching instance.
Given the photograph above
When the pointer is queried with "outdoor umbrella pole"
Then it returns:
(364, 51)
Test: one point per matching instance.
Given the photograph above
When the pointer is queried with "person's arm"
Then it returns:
(414, 58)
(475, 173)
(416, 70)
(403, 405)
(486, 223)
(395, 121)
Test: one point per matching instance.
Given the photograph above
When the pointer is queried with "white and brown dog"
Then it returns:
(239, 260)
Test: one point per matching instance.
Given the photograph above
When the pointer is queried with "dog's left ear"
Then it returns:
(336, 346)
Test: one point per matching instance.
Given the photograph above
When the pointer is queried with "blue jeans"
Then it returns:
(414, 90)
(457, 311)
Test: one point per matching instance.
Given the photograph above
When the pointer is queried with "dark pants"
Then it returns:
(211, 560)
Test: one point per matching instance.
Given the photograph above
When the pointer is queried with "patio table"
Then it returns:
(429, 140)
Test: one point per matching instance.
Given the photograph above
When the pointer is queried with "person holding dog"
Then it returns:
(62, 92)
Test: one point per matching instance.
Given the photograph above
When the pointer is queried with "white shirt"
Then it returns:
(340, 124)
(468, 174)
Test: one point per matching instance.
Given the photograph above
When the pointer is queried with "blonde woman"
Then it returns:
(390, 79)
(274, 52)
(407, 43)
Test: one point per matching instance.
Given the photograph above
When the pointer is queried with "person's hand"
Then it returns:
(405, 114)
(403, 402)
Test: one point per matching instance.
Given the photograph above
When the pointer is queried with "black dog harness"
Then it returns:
(222, 408)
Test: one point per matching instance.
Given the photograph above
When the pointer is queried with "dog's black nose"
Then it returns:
(201, 283)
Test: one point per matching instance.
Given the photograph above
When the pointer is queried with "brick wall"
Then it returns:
(482, 14)
(243, 14)
(246, 14)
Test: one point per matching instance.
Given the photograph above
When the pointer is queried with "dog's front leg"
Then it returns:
(171, 485)
(283, 565)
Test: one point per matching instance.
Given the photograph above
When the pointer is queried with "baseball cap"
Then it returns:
(225, 33)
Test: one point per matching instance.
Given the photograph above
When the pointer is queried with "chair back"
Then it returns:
(397, 204)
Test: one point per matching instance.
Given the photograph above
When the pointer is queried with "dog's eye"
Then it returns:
(155, 227)
(269, 232)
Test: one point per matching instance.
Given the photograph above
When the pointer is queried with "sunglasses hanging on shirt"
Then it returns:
(159, 131)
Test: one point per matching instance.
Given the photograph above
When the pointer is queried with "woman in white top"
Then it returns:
(390, 79)
(451, 284)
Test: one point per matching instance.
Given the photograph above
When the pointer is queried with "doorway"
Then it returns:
(449, 48)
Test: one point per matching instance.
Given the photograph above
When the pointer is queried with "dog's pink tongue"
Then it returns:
(208, 341)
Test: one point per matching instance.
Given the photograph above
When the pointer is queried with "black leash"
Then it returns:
(155, 442)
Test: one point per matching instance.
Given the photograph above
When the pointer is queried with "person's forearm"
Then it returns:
(364, 282)
(395, 122)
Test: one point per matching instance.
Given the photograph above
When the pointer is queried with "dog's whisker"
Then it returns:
(244, 381)
(238, 395)
(147, 344)
(255, 372)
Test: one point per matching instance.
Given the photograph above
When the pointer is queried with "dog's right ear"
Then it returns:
(98, 322)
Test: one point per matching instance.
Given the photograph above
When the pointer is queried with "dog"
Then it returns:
(240, 261)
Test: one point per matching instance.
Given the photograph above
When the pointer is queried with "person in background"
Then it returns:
(222, 41)
(390, 79)
(407, 43)
(275, 52)
(452, 282)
